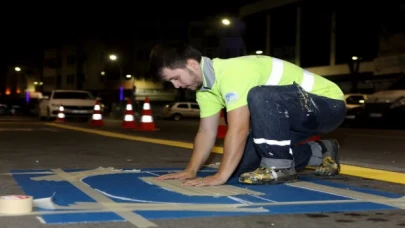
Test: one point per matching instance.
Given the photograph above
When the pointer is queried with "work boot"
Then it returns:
(330, 163)
(263, 175)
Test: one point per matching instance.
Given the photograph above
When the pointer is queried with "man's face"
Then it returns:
(188, 78)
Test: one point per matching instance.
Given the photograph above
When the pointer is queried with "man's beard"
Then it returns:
(193, 88)
(196, 85)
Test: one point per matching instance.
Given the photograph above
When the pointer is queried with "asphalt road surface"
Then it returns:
(32, 145)
(373, 148)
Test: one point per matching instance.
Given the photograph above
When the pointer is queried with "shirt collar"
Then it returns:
(208, 73)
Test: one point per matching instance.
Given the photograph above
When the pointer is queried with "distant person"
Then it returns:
(272, 106)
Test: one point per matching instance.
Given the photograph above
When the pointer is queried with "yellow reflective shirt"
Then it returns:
(227, 82)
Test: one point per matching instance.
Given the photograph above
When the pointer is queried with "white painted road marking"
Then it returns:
(129, 216)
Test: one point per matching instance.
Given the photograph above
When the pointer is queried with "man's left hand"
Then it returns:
(206, 181)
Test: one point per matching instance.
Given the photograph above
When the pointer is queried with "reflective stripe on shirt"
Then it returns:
(277, 72)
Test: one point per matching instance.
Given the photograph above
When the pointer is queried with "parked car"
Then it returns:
(355, 105)
(76, 103)
(180, 110)
(386, 105)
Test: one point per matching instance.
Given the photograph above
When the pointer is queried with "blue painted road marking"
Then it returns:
(127, 187)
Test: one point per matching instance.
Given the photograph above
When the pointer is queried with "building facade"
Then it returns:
(329, 38)
(22, 81)
(86, 64)
(99, 74)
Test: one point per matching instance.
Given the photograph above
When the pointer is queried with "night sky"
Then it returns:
(27, 28)
(25, 33)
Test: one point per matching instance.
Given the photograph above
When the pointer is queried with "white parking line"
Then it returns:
(129, 216)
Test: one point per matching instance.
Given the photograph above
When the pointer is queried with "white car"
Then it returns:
(76, 103)
(355, 103)
(387, 104)
(179, 110)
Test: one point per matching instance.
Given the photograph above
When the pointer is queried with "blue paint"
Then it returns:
(113, 184)
(127, 187)
(82, 217)
(190, 214)
(65, 193)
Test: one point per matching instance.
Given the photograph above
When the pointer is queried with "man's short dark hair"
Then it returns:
(172, 56)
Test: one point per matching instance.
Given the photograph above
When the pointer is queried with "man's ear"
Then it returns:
(193, 64)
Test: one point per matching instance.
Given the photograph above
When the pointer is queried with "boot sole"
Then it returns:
(274, 182)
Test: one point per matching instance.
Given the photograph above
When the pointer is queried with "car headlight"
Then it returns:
(399, 102)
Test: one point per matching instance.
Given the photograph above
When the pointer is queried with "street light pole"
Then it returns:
(132, 86)
(237, 24)
(16, 81)
(122, 83)
(354, 66)
(114, 58)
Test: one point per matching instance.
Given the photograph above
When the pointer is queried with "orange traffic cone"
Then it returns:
(147, 123)
(129, 119)
(61, 115)
(222, 128)
(97, 117)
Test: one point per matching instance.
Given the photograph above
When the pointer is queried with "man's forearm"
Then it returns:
(203, 143)
(234, 146)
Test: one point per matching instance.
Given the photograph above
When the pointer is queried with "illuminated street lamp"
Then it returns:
(17, 69)
(133, 88)
(226, 21)
(113, 57)
(259, 52)
(354, 67)
(236, 24)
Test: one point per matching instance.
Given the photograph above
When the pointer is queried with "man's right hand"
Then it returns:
(203, 143)
(182, 175)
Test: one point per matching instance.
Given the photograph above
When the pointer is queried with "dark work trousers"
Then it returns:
(281, 117)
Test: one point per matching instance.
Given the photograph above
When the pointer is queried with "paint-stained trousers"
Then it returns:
(281, 118)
